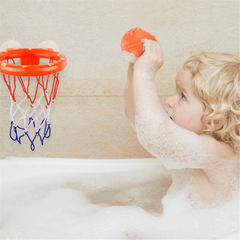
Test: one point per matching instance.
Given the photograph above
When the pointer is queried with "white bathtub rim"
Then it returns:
(15, 168)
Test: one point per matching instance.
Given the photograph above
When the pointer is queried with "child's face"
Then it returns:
(185, 108)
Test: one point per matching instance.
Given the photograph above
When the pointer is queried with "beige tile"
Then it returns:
(89, 34)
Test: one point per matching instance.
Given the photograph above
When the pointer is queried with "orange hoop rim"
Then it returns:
(60, 62)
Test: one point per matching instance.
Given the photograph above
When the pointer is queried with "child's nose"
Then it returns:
(169, 101)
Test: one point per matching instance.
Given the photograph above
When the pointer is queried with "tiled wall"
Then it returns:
(87, 118)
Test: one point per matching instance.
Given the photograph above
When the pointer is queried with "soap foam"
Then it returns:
(62, 207)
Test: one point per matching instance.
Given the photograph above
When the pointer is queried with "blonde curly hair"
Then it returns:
(216, 82)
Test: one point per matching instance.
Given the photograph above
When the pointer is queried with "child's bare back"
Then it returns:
(208, 186)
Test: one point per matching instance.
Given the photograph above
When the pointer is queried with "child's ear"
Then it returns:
(217, 124)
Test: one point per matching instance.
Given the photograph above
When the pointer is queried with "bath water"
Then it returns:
(62, 206)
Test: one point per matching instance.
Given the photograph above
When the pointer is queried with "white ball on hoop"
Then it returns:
(10, 44)
(49, 44)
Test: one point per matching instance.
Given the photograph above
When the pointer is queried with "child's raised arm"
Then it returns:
(175, 146)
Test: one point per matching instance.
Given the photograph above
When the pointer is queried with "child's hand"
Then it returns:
(151, 60)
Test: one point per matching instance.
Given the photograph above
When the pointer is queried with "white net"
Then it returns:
(29, 118)
(30, 106)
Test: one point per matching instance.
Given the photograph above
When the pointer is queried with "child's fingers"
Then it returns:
(151, 47)
(143, 41)
(152, 50)
(146, 45)
(146, 40)
(150, 43)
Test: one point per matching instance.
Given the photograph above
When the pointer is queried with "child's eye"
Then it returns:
(183, 97)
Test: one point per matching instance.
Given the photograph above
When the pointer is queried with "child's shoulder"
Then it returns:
(220, 149)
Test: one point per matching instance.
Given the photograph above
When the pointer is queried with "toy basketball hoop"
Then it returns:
(36, 84)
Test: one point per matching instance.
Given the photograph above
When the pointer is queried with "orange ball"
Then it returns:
(131, 41)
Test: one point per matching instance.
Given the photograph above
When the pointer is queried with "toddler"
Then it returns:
(198, 137)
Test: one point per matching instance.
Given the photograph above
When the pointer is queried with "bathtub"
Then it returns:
(14, 170)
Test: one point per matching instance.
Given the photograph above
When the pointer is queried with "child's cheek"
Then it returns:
(181, 116)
